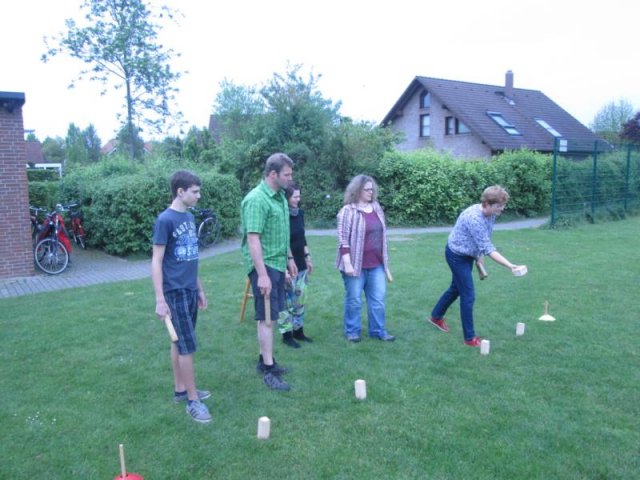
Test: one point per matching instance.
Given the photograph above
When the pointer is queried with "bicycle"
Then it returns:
(36, 224)
(77, 228)
(209, 228)
(52, 249)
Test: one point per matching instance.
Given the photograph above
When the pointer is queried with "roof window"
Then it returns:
(548, 128)
(499, 119)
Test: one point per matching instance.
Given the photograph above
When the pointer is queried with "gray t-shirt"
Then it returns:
(177, 231)
(471, 234)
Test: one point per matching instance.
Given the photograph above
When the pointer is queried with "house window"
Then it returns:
(450, 126)
(454, 126)
(461, 127)
(548, 128)
(499, 119)
(425, 126)
(425, 100)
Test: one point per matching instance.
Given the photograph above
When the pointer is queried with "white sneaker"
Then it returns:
(198, 411)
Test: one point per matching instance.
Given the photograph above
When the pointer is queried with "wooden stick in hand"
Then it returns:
(172, 331)
(267, 310)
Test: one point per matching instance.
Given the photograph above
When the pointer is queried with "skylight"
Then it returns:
(548, 128)
(499, 119)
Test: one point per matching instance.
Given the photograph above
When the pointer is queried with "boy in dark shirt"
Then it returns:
(178, 290)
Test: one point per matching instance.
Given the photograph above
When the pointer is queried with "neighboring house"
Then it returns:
(472, 120)
(112, 147)
(33, 152)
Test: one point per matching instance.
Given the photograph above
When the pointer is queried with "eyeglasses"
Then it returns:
(367, 189)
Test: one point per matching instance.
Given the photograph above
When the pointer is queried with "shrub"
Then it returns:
(41, 175)
(44, 194)
(426, 187)
(121, 200)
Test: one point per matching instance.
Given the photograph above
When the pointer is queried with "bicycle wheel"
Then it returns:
(209, 232)
(51, 256)
(78, 234)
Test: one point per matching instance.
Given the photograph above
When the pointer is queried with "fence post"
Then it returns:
(627, 177)
(554, 180)
(594, 181)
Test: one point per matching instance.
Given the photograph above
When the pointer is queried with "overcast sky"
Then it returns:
(582, 55)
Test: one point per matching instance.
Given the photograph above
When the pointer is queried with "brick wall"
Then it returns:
(15, 235)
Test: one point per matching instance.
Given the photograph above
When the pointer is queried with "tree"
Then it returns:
(235, 107)
(609, 120)
(120, 44)
(53, 150)
(290, 114)
(82, 147)
(631, 129)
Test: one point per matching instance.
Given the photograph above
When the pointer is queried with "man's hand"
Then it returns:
(293, 269)
(264, 284)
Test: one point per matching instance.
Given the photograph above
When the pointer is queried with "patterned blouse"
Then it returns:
(351, 234)
(471, 235)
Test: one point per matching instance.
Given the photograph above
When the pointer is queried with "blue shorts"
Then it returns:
(184, 314)
(277, 296)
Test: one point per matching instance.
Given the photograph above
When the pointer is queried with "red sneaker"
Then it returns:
(439, 324)
(474, 342)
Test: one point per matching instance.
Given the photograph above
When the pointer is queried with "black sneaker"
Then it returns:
(261, 368)
(287, 339)
(274, 382)
(299, 335)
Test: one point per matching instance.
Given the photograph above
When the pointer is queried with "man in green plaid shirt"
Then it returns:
(265, 248)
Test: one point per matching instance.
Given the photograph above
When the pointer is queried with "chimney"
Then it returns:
(508, 85)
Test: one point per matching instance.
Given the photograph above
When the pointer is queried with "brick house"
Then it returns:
(16, 251)
(472, 120)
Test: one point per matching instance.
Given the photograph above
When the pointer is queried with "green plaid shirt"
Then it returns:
(266, 213)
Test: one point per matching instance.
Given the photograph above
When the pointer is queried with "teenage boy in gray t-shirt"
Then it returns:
(178, 290)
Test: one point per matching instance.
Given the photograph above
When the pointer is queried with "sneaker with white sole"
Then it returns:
(198, 411)
(183, 396)
(439, 323)
(474, 342)
(274, 382)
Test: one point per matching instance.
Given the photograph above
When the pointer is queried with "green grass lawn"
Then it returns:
(84, 370)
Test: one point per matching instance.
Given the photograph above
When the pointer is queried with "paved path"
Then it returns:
(91, 267)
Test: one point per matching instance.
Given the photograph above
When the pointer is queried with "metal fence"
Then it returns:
(589, 181)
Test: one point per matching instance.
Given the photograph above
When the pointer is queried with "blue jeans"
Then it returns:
(374, 284)
(461, 286)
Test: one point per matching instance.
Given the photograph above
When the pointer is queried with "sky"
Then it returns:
(581, 55)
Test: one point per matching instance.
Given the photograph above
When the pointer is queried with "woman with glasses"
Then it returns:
(469, 242)
(362, 259)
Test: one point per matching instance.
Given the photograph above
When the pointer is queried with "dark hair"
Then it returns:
(183, 179)
(290, 189)
(276, 162)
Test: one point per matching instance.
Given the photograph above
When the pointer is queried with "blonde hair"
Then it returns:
(354, 189)
(494, 194)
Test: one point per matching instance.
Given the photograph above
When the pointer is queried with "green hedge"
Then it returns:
(42, 175)
(121, 201)
(44, 194)
(426, 187)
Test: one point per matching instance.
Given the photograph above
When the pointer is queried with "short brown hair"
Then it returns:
(494, 194)
(276, 162)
